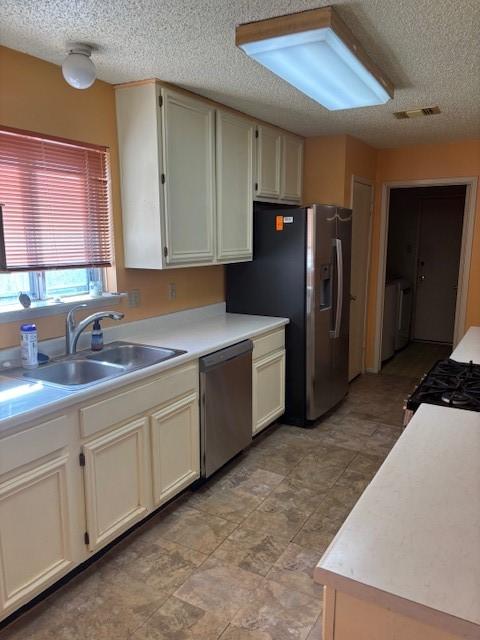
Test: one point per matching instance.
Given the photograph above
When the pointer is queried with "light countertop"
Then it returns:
(193, 333)
(412, 541)
(415, 532)
(469, 347)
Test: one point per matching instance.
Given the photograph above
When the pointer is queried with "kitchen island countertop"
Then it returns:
(411, 544)
(469, 347)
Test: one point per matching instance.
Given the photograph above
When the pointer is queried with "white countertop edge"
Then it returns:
(8, 425)
(469, 347)
(422, 613)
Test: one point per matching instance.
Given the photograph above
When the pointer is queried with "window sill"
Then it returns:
(14, 313)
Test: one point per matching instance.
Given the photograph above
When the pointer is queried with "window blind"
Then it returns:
(55, 199)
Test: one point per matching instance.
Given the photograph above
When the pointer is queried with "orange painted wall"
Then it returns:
(329, 164)
(360, 161)
(324, 170)
(34, 96)
(421, 162)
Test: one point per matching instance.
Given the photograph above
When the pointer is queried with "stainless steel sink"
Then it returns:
(88, 367)
(72, 373)
(133, 356)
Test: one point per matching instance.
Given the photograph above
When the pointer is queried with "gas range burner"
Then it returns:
(448, 383)
(453, 398)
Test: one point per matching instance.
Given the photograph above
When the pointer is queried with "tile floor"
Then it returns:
(416, 359)
(234, 559)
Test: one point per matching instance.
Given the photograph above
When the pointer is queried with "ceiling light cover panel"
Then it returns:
(321, 66)
(318, 63)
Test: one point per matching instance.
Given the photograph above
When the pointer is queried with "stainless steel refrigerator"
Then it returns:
(301, 270)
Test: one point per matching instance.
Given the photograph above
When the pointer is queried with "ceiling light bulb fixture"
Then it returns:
(77, 68)
(315, 52)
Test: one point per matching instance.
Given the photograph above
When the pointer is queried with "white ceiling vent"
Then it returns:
(416, 113)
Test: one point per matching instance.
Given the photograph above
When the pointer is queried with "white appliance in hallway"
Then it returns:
(397, 316)
(389, 320)
(403, 313)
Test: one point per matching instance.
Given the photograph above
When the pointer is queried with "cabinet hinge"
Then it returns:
(256, 186)
(86, 538)
(165, 251)
(81, 459)
(160, 101)
(256, 133)
(162, 178)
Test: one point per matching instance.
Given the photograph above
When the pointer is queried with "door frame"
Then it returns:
(369, 183)
(465, 253)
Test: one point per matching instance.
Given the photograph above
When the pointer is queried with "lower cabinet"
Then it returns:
(38, 511)
(116, 482)
(268, 378)
(139, 447)
(175, 448)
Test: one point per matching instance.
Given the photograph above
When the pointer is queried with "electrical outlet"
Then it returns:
(172, 290)
(134, 298)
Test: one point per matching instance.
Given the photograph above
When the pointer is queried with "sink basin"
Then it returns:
(89, 367)
(70, 373)
(133, 356)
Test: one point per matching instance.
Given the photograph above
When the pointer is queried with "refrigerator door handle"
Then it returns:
(338, 311)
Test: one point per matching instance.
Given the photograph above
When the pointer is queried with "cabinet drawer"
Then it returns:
(122, 406)
(32, 444)
(268, 343)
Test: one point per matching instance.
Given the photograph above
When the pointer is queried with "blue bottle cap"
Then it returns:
(28, 327)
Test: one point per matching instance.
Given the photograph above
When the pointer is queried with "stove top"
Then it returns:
(449, 384)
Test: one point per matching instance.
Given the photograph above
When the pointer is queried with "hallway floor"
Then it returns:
(416, 359)
(234, 559)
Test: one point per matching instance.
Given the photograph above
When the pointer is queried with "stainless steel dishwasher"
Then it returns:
(225, 405)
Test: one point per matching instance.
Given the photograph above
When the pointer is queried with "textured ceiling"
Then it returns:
(429, 49)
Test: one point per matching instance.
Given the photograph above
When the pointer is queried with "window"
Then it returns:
(47, 285)
(54, 206)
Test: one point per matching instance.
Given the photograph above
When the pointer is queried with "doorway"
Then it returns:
(424, 246)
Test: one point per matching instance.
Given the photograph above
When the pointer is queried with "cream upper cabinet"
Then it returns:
(116, 482)
(189, 182)
(279, 166)
(139, 126)
(269, 160)
(40, 521)
(167, 168)
(292, 168)
(235, 142)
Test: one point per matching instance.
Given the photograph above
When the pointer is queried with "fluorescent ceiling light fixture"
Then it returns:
(316, 53)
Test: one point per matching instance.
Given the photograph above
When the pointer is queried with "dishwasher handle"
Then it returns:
(219, 357)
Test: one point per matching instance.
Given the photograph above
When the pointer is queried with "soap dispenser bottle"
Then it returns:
(97, 336)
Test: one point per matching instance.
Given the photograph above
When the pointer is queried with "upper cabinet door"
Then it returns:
(292, 168)
(189, 189)
(269, 150)
(234, 160)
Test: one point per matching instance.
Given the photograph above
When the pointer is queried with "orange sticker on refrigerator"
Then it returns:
(278, 223)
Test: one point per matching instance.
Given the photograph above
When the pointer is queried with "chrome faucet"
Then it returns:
(73, 331)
